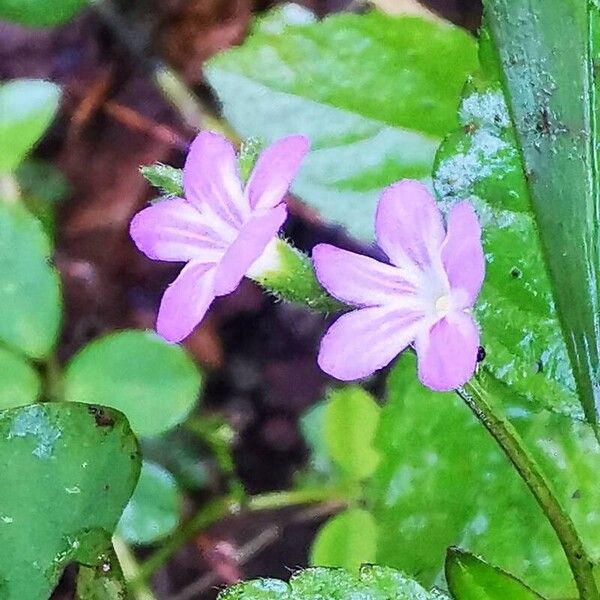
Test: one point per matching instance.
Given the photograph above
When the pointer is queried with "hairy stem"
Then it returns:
(511, 443)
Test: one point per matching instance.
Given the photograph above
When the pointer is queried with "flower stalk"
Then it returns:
(507, 437)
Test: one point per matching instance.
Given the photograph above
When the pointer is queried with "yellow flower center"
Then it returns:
(442, 305)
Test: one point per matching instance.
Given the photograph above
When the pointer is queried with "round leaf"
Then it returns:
(27, 107)
(19, 382)
(351, 420)
(41, 13)
(68, 471)
(347, 540)
(154, 383)
(154, 509)
(30, 302)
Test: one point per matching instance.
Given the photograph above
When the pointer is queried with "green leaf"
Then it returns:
(27, 107)
(370, 91)
(442, 481)
(551, 89)
(154, 383)
(469, 578)
(68, 471)
(372, 583)
(520, 330)
(40, 13)
(154, 509)
(351, 419)
(168, 180)
(347, 540)
(19, 382)
(102, 582)
(30, 300)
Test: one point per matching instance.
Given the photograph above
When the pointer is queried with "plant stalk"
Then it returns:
(507, 437)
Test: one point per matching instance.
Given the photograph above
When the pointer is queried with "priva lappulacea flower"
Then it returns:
(423, 297)
(220, 229)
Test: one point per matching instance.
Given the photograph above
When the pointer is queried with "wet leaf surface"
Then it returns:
(68, 471)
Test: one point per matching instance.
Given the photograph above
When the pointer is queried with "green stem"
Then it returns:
(223, 507)
(511, 443)
(131, 569)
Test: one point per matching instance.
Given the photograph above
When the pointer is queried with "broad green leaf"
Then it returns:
(68, 471)
(40, 13)
(30, 300)
(443, 481)
(27, 107)
(154, 509)
(351, 419)
(370, 91)
(155, 384)
(346, 540)
(469, 578)
(372, 583)
(551, 88)
(19, 382)
(312, 427)
(520, 329)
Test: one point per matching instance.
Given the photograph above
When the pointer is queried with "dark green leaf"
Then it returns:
(551, 89)
(68, 471)
(442, 481)
(469, 578)
(40, 13)
(30, 302)
(372, 583)
(370, 91)
(104, 581)
(520, 330)
(154, 509)
(154, 383)
(19, 382)
(347, 540)
(27, 107)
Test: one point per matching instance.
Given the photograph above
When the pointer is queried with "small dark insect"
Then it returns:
(543, 124)
(481, 354)
(102, 419)
(515, 273)
(576, 495)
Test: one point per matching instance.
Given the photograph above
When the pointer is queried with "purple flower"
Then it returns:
(424, 297)
(220, 229)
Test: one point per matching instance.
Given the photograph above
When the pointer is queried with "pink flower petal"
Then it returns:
(174, 230)
(409, 225)
(185, 302)
(211, 178)
(356, 279)
(365, 340)
(249, 245)
(275, 170)
(447, 353)
(462, 253)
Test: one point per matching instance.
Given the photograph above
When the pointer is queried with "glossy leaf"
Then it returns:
(19, 382)
(351, 419)
(154, 509)
(371, 583)
(40, 13)
(155, 384)
(30, 301)
(27, 107)
(469, 578)
(520, 329)
(370, 91)
(68, 471)
(346, 540)
(551, 89)
(442, 481)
